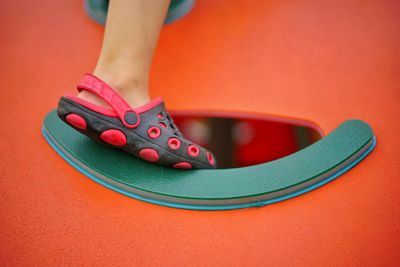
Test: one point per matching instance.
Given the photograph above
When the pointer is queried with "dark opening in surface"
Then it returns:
(245, 140)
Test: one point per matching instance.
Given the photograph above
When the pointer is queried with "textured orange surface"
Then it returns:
(325, 61)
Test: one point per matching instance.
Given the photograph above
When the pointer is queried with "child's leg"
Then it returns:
(130, 37)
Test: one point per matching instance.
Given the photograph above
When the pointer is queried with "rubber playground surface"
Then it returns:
(319, 61)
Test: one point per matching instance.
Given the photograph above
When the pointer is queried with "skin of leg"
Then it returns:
(130, 38)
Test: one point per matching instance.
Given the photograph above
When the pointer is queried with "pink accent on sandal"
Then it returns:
(210, 158)
(193, 150)
(146, 107)
(98, 87)
(76, 121)
(119, 107)
(110, 112)
(182, 165)
(154, 132)
(174, 143)
(149, 154)
(91, 106)
(113, 137)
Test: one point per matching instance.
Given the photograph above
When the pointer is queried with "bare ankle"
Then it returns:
(133, 90)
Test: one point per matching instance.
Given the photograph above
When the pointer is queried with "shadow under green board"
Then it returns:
(219, 189)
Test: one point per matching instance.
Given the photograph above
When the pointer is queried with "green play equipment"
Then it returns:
(218, 189)
(97, 10)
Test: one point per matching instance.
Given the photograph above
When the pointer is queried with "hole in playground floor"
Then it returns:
(239, 140)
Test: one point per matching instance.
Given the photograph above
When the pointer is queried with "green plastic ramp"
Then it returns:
(219, 189)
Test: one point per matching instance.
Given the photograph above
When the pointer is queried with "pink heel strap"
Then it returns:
(128, 116)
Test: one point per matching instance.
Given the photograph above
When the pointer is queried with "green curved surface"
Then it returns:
(97, 10)
(351, 141)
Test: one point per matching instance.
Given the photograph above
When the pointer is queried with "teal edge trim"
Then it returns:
(179, 12)
(172, 15)
(203, 207)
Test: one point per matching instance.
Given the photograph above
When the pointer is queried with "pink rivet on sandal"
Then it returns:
(76, 121)
(149, 154)
(113, 137)
(182, 165)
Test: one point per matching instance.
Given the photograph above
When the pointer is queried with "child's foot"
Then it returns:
(146, 131)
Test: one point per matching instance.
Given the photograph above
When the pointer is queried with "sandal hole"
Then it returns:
(174, 143)
(160, 115)
(193, 150)
(210, 158)
(154, 132)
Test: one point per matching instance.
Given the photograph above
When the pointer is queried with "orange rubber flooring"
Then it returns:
(323, 61)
